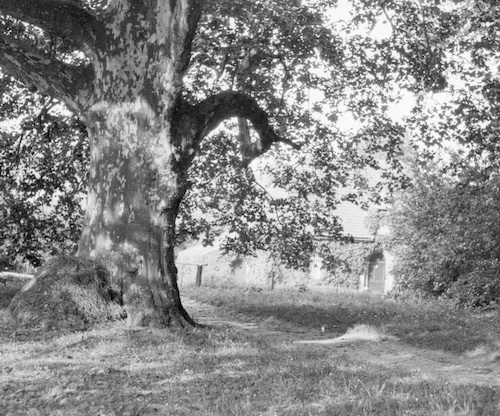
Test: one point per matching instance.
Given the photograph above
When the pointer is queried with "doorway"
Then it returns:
(376, 273)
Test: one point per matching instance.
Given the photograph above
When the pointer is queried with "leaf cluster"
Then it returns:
(444, 233)
(43, 171)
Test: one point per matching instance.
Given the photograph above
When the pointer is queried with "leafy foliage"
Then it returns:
(255, 215)
(295, 66)
(346, 261)
(444, 225)
(445, 237)
(305, 75)
(307, 69)
(43, 165)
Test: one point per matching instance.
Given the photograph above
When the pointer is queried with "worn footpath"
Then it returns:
(362, 344)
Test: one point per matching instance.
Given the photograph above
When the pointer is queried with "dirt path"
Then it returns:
(359, 345)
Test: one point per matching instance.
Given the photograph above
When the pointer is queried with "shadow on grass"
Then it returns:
(112, 369)
(435, 325)
(432, 325)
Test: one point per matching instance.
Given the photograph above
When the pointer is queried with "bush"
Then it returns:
(478, 288)
(5, 263)
(445, 238)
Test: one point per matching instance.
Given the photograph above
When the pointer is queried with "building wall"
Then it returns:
(232, 270)
(389, 277)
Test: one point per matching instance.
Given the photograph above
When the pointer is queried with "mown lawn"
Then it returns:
(114, 370)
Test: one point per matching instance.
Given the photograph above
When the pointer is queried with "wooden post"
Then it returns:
(199, 271)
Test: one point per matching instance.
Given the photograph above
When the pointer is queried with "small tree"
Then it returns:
(445, 237)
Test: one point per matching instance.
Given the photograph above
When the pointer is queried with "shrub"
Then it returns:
(445, 238)
(478, 288)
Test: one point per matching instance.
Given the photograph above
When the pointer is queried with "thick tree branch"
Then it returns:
(48, 76)
(62, 18)
(220, 107)
(176, 24)
(193, 10)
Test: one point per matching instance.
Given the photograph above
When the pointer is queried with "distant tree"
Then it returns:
(445, 222)
(445, 236)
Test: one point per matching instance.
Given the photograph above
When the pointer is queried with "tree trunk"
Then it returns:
(136, 182)
(143, 136)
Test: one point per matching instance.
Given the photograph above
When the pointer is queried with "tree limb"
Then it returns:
(217, 108)
(193, 17)
(62, 18)
(64, 82)
(176, 23)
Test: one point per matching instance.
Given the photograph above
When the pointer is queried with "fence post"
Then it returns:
(199, 271)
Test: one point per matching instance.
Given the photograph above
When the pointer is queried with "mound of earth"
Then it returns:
(66, 293)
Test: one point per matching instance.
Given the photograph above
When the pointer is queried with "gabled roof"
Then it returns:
(353, 220)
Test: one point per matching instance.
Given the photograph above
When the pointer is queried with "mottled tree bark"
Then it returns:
(143, 135)
(137, 179)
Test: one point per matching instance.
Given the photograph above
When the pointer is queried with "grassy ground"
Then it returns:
(114, 370)
(431, 324)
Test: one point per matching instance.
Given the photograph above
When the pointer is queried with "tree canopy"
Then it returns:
(300, 77)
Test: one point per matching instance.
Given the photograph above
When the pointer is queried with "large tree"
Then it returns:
(152, 79)
(121, 67)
